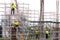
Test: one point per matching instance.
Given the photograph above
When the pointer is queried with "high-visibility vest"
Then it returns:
(47, 32)
(16, 23)
(36, 32)
(12, 5)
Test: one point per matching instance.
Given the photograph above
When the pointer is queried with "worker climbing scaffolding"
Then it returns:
(13, 8)
(15, 25)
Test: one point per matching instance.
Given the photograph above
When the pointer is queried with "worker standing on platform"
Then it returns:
(37, 33)
(46, 33)
(13, 8)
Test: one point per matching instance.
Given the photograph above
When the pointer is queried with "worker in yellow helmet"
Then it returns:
(16, 23)
(46, 33)
(13, 8)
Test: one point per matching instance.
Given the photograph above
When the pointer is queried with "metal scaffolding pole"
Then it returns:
(16, 5)
(41, 10)
(57, 19)
(41, 16)
(41, 13)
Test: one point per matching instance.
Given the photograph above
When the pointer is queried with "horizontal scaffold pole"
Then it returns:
(43, 22)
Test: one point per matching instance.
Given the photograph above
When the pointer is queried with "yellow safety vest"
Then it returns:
(16, 23)
(46, 32)
(36, 32)
(12, 5)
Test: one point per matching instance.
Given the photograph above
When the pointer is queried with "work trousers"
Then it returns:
(46, 36)
(12, 11)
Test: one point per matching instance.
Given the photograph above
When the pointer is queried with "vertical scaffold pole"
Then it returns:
(41, 15)
(57, 19)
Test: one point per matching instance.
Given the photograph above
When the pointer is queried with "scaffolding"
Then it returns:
(30, 19)
(23, 16)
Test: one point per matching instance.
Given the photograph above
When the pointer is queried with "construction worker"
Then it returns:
(14, 29)
(15, 23)
(46, 33)
(37, 33)
(13, 8)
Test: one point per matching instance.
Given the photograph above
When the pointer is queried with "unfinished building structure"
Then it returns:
(30, 18)
(24, 15)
